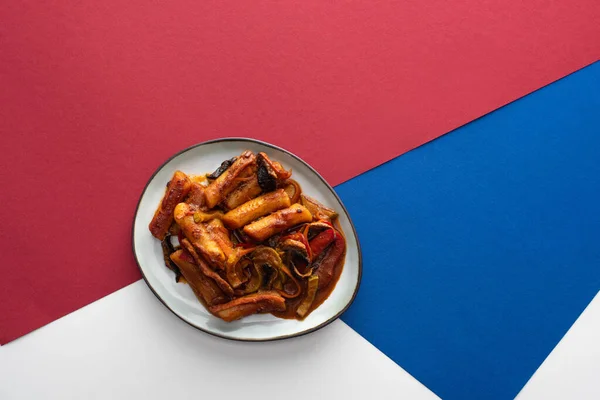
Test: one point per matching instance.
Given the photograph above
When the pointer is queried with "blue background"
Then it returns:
(482, 247)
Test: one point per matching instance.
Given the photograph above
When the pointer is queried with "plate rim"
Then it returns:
(272, 146)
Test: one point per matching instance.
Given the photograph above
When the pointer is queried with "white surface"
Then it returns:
(572, 370)
(129, 346)
(180, 298)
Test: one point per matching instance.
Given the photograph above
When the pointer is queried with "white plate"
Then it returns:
(180, 299)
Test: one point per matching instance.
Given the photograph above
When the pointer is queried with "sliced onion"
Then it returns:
(266, 255)
(311, 292)
(293, 190)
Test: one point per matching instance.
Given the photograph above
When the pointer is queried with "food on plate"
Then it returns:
(279, 221)
(244, 192)
(256, 208)
(177, 189)
(248, 305)
(201, 284)
(247, 240)
(227, 179)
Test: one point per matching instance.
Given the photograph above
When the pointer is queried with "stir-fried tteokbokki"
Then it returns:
(247, 240)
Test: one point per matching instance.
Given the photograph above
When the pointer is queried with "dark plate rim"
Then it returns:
(272, 146)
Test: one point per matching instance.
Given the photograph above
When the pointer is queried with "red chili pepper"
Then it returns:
(326, 266)
(326, 222)
(321, 241)
(300, 237)
(332, 227)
